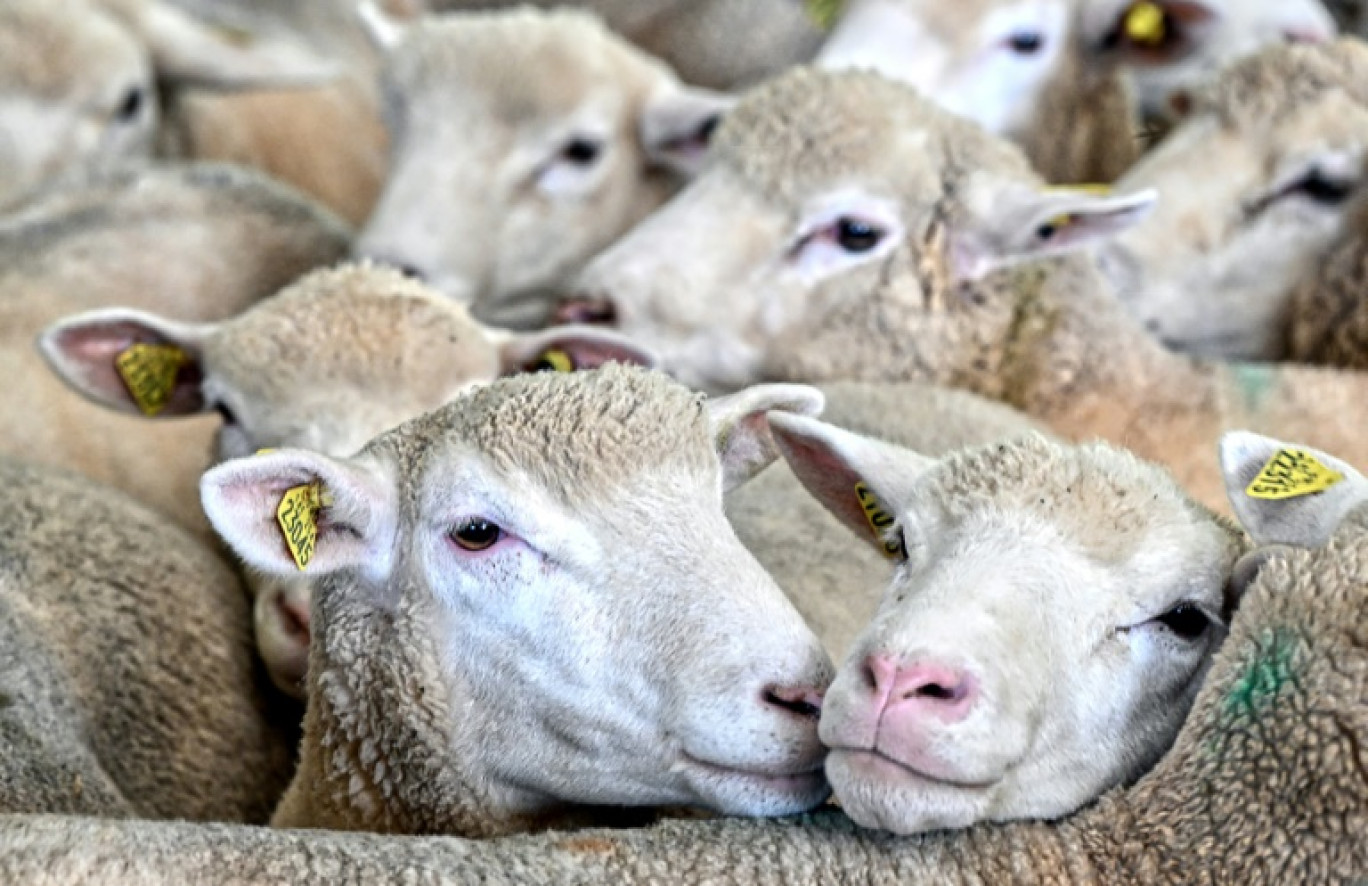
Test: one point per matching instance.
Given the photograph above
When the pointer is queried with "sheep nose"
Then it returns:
(584, 309)
(1305, 34)
(919, 691)
(804, 701)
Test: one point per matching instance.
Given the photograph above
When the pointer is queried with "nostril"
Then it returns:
(583, 309)
(803, 701)
(1305, 35)
(937, 692)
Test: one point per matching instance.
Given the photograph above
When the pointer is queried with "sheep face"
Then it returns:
(523, 143)
(1052, 615)
(587, 628)
(988, 60)
(1256, 190)
(841, 208)
(76, 92)
(328, 364)
(78, 77)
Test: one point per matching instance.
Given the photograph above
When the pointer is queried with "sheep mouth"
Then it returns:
(794, 781)
(886, 763)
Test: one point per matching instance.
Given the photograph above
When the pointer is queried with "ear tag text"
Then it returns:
(1146, 24)
(554, 360)
(879, 521)
(824, 13)
(1292, 473)
(149, 372)
(297, 515)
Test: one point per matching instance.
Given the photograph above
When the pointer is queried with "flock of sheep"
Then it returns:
(463, 438)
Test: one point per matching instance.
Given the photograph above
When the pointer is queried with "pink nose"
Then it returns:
(920, 690)
(1306, 34)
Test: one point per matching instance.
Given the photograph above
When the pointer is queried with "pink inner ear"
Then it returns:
(827, 476)
(88, 353)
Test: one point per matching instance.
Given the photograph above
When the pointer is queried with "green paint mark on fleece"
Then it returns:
(1255, 381)
(824, 13)
(1265, 676)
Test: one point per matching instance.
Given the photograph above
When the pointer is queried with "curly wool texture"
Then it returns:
(40, 50)
(128, 679)
(1267, 786)
(1268, 86)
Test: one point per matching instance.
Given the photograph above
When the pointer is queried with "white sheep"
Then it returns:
(1260, 185)
(529, 602)
(334, 359)
(848, 229)
(128, 683)
(1264, 786)
(1053, 612)
(523, 142)
(198, 242)
(80, 77)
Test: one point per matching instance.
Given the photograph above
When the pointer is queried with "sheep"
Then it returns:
(1327, 321)
(715, 43)
(128, 684)
(501, 186)
(836, 585)
(333, 360)
(1052, 615)
(529, 602)
(1264, 786)
(847, 229)
(195, 243)
(79, 78)
(1259, 184)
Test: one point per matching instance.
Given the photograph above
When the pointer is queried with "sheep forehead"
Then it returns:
(1268, 87)
(55, 48)
(811, 130)
(1105, 502)
(359, 327)
(525, 64)
(581, 436)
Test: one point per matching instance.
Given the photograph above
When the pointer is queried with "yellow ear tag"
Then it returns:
(263, 452)
(1292, 473)
(879, 521)
(554, 360)
(824, 13)
(1093, 188)
(149, 372)
(1145, 24)
(297, 515)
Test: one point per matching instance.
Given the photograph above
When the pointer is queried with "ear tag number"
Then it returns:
(149, 372)
(1292, 473)
(879, 521)
(297, 515)
(1146, 24)
(824, 13)
(554, 360)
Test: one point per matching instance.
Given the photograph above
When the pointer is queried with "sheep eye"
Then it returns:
(856, 236)
(1026, 42)
(476, 534)
(581, 151)
(1323, 189)
(131, 105)
(1185, 621)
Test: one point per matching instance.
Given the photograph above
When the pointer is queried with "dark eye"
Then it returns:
(581, 151)
(1186, 621)
(130, 105)
(476, 534)
(1324, 189)
(857, 236)
(1026, 43)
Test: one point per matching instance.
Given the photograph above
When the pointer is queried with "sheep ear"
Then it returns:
(1150, 33)
(863, 482)
(571, 349)
(1018, 224)
(1284, 494)
(742, 432)
(190, 51)
(677, 126)
(384, 31)
(130, 361)
(293, 511)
